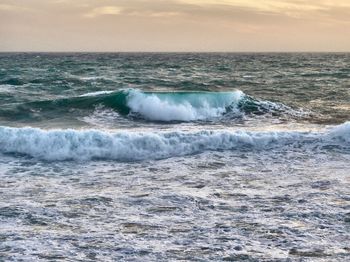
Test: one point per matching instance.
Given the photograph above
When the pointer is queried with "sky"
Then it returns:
(175, 25)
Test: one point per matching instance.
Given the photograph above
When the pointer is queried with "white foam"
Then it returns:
(181, 107)
(104, 118)
(128, 146)
(97, 93)
(7, 89)
(341, 132)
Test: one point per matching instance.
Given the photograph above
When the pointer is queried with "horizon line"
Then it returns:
(177, 52)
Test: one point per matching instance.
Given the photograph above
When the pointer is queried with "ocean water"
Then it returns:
(167, 157)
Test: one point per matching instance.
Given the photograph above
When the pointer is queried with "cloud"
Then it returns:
(13, 8)
(250, 12)
(104, 10)
(155, 8)
(174, 25)
(300, 9)
(7, 7)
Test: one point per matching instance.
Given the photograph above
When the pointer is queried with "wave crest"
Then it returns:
(127, 146)
(182, 106)
(157, 106)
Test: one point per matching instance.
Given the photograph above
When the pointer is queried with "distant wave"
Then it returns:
(165, 106)
(58, 145)
(97, 93)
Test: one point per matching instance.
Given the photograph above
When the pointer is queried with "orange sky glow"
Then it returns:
(175, 25)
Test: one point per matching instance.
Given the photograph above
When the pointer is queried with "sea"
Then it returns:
(174, 156)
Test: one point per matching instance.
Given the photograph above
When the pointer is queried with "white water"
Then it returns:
(181, 107)
(126, 146)
(97, 93)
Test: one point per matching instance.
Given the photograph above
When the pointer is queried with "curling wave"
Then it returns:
(57, 145)
(182, 106)
(160, 106)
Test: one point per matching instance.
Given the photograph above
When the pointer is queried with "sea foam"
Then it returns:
(127, 146)
(182, 106)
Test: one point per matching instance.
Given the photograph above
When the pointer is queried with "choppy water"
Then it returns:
(174, 157)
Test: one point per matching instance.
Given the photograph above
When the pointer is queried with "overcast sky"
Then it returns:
(175, 25)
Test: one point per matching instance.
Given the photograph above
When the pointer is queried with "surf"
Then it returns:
(58, 145)
(157, 106)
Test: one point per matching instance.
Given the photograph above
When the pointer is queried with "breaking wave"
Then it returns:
(161, 106)
(56, 145)
(182, 106)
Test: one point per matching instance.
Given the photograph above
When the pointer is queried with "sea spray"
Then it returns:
(182, 106)
(128, 146)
